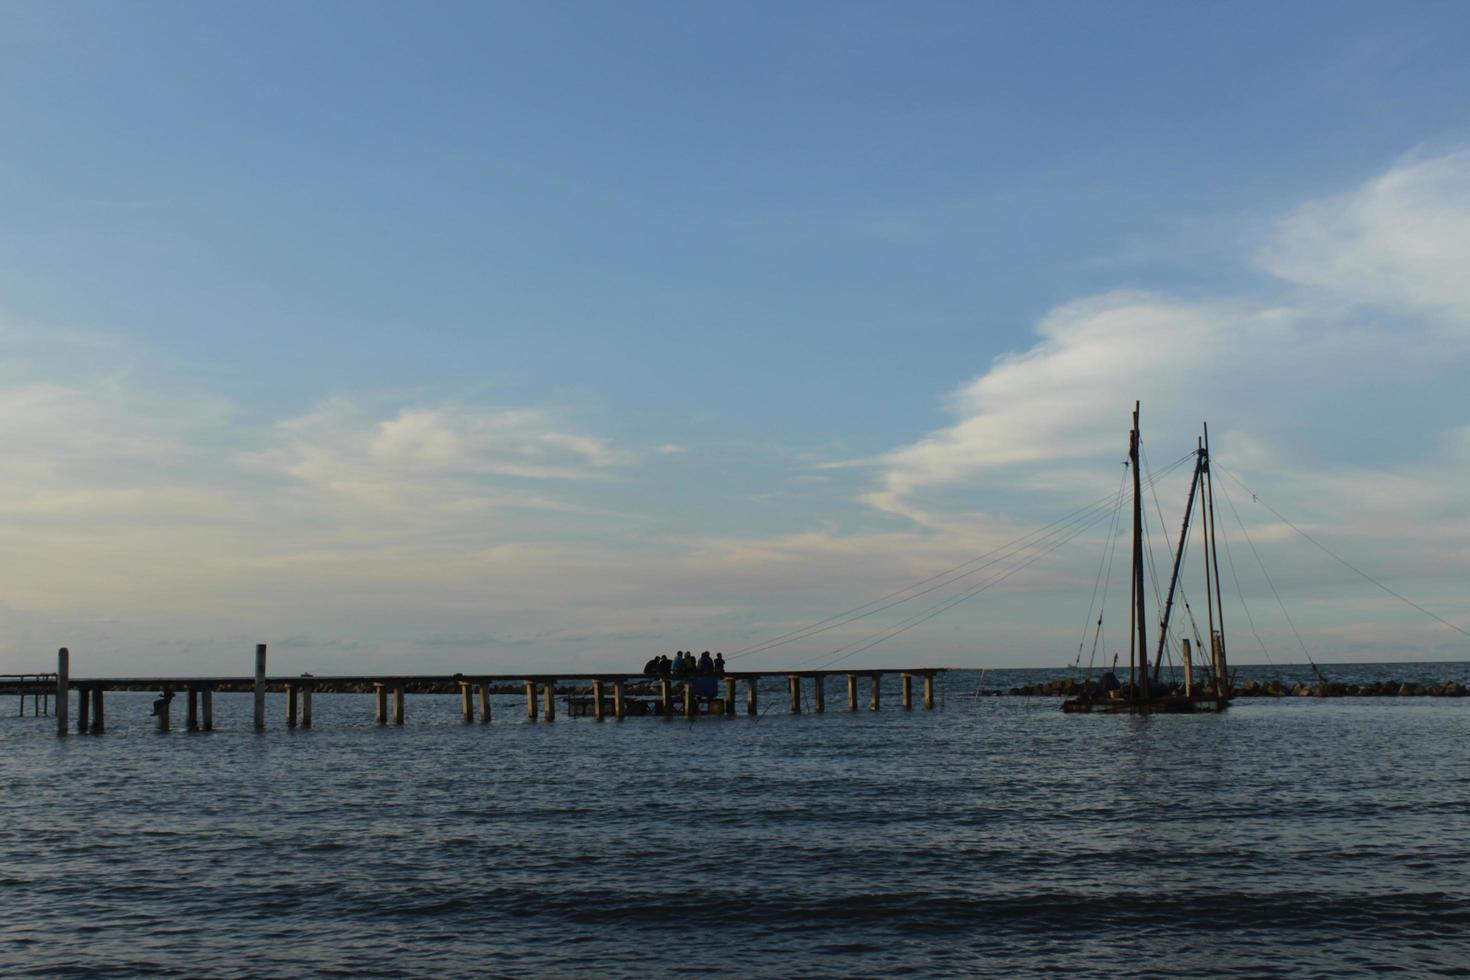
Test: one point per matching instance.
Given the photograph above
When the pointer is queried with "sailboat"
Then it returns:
(1144, 694)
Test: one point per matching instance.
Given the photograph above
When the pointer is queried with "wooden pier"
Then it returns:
(605, 695)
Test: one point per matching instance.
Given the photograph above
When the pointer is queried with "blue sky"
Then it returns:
(463, 334)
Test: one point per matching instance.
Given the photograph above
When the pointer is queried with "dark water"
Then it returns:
(996, 836)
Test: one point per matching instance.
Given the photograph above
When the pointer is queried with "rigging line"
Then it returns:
(847, 616)
(1231, 504)
(830, 625)
(821, 626)
(1101, 561)
(956, 600)
(1404, 599)
(1239, 592)
(1112, 551)
(1153, 571)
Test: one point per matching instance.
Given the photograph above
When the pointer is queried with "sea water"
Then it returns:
(995, 835)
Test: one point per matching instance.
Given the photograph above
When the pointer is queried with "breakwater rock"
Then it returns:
(1391, 688)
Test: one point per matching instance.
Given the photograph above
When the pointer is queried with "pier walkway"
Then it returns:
(605, 695)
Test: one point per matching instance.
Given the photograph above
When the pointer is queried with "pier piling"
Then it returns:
(665, 698)
(161, 709)
(729, 695)
(852, 692)
(819, 695)
(551, 700)
(466, 703)
(689, 702)
(484, 703)
(906, 692)
(380, 699)
(306, 705)
(750, 685)
(875, 678)
(83, 704)
(398, 704)
(619, 711)
(597, 699)
(530, 700)
(97, 725)
(291, 705)
(63, 689)
(928, 692)
(191, 717)
(793, 683)
(260, 687)
(206, 698)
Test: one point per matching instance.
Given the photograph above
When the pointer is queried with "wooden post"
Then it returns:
(466, 703)
(665, 698)
(83, 704)
(597, 699)
(793, 684)
(729, 695)
(380, 703)
(906, 692)
(551, 700)
(750, 685)
(689, 702)
(530, 700)
(852, 692)
(191, 720)
(206, 696)
(398, 704)
(290, 705)
(1188, 668)
(260, 687)
(63, 689)
(619, 709)
(485, 703)
(97, 725)
(928, 692)
(875, 678)
(819, 696)
(306, 705)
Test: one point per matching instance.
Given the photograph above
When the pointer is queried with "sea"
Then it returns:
(993, 836)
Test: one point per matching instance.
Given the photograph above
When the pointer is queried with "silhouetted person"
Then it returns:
(719, 665)
(706, 665)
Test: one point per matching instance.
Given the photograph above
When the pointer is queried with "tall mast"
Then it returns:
(1178, 560)
(1139, 619)
(1209, 541)
(1214, 556)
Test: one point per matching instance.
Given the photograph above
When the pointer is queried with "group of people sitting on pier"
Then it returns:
(686, 665)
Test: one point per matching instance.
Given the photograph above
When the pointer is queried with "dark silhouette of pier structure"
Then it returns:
(608, 694)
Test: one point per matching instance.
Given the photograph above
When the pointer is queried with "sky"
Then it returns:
(481, 336)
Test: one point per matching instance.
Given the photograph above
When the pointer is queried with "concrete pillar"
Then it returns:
(306, 705)
(290, 705)
(466, 703)
(530, 700)
(63, 689)
(729, 695)
(97, 721)
(485, 703)
(875, 678)
(260, 687)
(191, 719)
(380, 703)
(852, 692)
(819, 694)
(906, 692)
(551, 700)
(793, 685)
(928, 692)
(619, 709)
(597, 699)
(751, 683)
(206, 698)
(398, 704)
